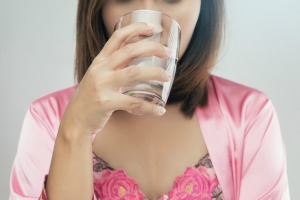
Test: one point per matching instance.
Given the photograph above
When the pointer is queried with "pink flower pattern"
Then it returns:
(194, 184)
(198, 182)
(116, 185)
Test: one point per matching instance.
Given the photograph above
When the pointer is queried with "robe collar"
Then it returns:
(218, 141)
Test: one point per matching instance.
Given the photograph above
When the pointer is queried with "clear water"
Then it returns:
(154, 91)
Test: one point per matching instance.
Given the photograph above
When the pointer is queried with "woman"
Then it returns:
(215, 140)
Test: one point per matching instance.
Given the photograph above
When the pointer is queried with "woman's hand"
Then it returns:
(96, 98)
(99, 93)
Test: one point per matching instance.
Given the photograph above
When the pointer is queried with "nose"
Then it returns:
(148, 5)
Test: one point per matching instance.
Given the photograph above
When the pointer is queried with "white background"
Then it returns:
(37, 40)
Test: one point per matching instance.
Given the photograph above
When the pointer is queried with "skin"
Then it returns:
(147, 151)
(184, 12)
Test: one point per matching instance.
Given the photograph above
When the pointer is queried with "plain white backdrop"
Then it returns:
(37, 41)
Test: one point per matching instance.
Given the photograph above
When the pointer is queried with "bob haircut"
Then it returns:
(193, 69)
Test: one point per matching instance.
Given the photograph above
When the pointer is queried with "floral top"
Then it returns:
(198, 182)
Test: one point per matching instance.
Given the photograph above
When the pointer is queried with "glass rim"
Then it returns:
(144, 10)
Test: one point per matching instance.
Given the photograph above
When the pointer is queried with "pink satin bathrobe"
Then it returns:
(239, 125)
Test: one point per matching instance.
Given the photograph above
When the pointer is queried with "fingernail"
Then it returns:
(155, 27)
(151, 25)
(168, 75)
(161, 110)
(168, 51)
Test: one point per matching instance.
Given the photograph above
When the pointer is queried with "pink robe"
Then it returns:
(240, 128)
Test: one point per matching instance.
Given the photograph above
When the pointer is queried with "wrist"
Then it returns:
(74, 135)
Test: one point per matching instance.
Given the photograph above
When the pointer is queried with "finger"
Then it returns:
(133, 74)
(120, 37)
(137, 106)
(122, 57)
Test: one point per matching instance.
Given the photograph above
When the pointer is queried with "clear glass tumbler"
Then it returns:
(168, 33)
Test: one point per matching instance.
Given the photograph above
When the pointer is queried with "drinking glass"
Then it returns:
(167, 32)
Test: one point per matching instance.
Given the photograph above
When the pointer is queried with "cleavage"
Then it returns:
(100, 164)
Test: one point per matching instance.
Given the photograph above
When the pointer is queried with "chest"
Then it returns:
(151, 152)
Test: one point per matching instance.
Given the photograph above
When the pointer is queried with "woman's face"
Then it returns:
(185, 12)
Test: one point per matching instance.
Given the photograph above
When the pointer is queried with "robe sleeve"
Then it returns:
(263, 172)
(33, 157)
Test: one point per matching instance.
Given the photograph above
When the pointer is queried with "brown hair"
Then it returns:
(193, 70)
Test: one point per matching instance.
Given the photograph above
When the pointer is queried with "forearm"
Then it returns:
(71, 173)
